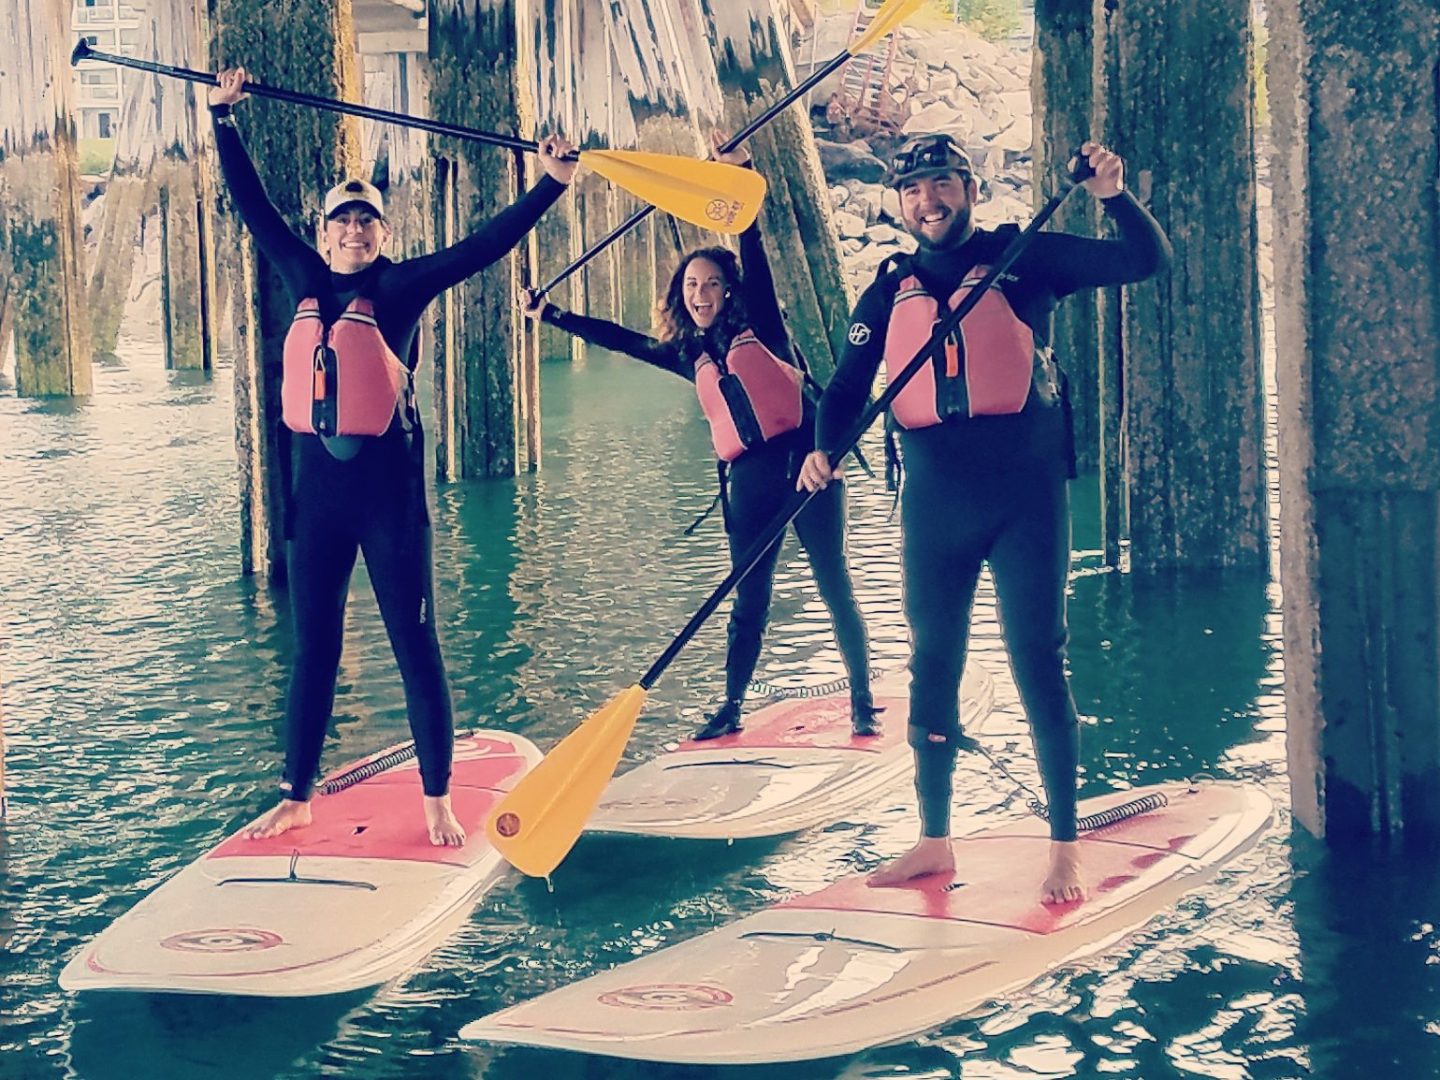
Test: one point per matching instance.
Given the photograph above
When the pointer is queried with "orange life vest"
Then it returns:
(753, 396)
(346, 382)
(989, 362)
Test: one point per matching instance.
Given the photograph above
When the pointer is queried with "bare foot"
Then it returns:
(1063, 884)
(289, 814)
(930, 855)
(445, 828)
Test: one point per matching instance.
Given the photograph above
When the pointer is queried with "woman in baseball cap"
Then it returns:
(358, 481)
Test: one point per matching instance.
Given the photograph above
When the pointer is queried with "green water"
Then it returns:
(143, 681)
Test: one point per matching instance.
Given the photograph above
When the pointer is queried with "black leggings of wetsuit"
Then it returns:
(761, 481)
(1019, 522)
(375, 504)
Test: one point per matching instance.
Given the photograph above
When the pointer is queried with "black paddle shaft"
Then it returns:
(735, 140)
(83, 51)
(797, 502)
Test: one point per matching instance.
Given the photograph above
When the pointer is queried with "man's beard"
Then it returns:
(953, 236)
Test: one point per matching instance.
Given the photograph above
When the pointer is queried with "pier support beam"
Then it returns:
(1178, 100)
(40, 226)
(487, 384)
(1356, 121)
(1062, 91)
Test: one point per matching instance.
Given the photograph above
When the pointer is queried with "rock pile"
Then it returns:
(950, 80)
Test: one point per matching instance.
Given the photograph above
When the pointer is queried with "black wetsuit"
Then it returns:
(371, 499)
(990, 489)
(759, 483)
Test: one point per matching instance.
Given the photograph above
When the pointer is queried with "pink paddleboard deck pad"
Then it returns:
(794, 765)
(353, 899)
(850, 966)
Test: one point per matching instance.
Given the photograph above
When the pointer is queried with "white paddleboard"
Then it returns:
(851, 967)
(353, 899)
(794, 765)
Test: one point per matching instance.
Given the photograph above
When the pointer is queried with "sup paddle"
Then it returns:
(538, 822)
(709, 194)
(890, 15)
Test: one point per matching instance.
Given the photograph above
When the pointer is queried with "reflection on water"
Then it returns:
(144, 680)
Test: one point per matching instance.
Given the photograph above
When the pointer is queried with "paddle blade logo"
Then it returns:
(722, 211)
(508, 825)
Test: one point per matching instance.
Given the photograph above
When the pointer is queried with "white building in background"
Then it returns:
(112, 26)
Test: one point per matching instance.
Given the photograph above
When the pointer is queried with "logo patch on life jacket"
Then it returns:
(859, 333)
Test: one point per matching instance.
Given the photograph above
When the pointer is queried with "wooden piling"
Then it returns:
(486, 382)
(1193, 400)
(40, 225)
(1355, 117)
(1062, 92)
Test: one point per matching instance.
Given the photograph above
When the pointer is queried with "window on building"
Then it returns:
(104, 122)
(129, 41)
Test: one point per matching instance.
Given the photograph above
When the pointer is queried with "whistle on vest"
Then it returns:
(952, 354)
(322, 365)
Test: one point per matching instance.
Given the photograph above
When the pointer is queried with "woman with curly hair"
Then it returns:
(720, 326)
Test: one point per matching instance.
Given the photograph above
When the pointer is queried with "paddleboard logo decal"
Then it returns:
(507, 825)
(222, 941)
(859, 334)
(668, 997)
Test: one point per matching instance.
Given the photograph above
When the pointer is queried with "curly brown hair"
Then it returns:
(672, 319)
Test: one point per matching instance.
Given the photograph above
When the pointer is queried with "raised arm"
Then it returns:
(421, 280)
(1140, 251)
(608, 335)
(290, 253)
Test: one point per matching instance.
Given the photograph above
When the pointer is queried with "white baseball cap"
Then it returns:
(352, 193)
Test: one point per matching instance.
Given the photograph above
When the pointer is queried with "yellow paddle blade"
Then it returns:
(709, 194)
(890, 15)
(536, 825)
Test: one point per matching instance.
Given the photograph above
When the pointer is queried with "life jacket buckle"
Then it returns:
(324, 362)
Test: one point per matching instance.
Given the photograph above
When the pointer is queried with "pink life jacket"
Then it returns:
(348, 380)
(752, 397)
(993, 351)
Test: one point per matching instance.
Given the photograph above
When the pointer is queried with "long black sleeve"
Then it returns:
(413, 283)
(621, 339)
(1077, 262)
(849, 388)
(296, 260)
(762, 303)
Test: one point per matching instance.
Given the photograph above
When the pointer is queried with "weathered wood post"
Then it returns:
(1355, 120)
(128, 200)
(183, 190)
(40, 227)
(659, 87)
(754, 69)
(605, 120)
(553, 25)
(299, 154)
(1193, 399)
(486, 362)
(1062, 93)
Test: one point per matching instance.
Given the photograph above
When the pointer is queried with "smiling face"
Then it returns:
(354, 237)
(937, 208)
(705, 290)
